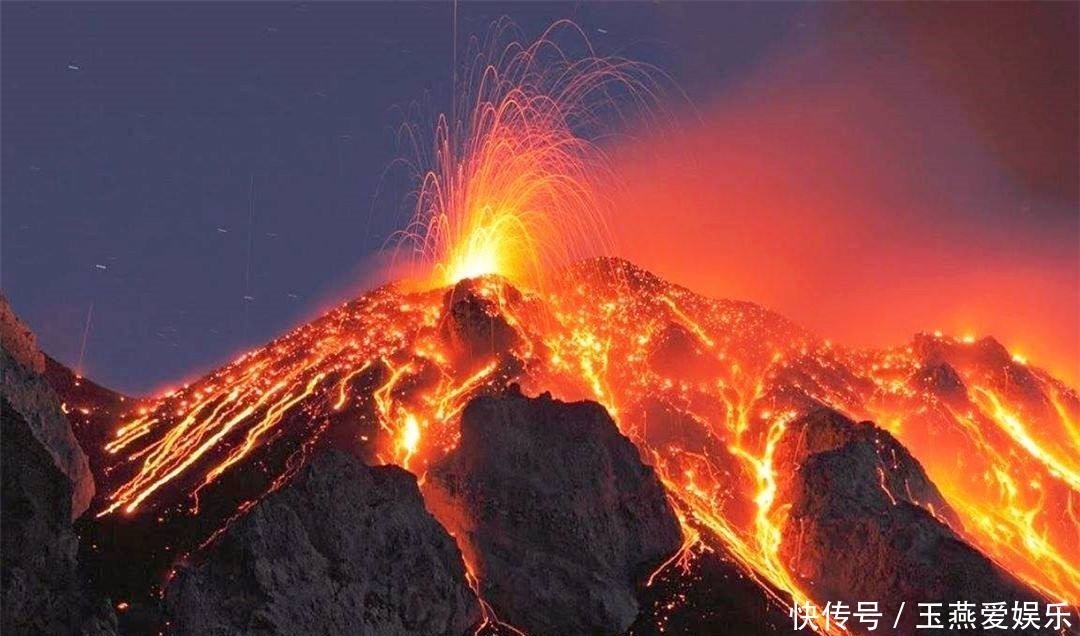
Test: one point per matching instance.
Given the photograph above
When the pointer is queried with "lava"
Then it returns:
(739, 375)
(705, 388)
(514, 188)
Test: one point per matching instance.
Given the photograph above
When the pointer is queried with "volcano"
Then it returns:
(719, 462)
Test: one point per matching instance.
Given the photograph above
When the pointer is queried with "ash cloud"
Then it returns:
(887, 170)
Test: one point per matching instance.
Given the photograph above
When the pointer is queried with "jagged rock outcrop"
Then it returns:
(900, 475)
(46, 484)
(866, 523)
(942, 381)
(25, 389)
(989, 363)
(38, 546)
(555, 511)
(343, 549)
(17, 339)
(473, 324)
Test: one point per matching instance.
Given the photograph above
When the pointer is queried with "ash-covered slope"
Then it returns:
(705, 388)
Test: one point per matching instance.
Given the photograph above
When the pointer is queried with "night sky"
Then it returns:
(197, 178)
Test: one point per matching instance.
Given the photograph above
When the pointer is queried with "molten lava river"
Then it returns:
(705, 388)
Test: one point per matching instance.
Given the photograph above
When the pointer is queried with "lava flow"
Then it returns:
(705, 388)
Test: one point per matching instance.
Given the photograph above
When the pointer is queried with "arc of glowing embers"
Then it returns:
(514, 188)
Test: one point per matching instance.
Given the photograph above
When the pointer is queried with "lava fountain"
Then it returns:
(516, 187)
(512, 199)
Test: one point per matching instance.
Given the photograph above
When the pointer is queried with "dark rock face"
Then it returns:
(344, 549)
(46, 483)
(557, 514)
(41, 589)
(474, 326)
(897, 474)
(867, 524)
(943, 381)
(17, 339)
(24, 387)
(713, 596)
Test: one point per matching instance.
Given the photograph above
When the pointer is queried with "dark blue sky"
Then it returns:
(135, 133)
(161, 161)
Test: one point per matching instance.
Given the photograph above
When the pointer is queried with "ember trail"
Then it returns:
(509, 224)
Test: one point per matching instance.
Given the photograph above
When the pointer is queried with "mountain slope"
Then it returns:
(705, 388)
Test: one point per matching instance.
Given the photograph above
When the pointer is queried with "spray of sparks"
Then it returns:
(514, 188)
(514, 195)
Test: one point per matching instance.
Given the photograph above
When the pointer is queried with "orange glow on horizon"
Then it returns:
(858, 201)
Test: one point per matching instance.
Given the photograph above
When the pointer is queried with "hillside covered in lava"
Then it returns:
(616, 454)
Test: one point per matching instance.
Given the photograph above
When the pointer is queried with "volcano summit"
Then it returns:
(730, 471)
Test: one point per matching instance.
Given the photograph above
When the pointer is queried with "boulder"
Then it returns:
(555, 512)
(343, 549)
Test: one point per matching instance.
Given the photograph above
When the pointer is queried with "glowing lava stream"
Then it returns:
(514, 191)
(1017, 500)
(715, 458)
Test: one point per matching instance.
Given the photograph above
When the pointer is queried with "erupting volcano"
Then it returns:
(706, 389)
(746, 419)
